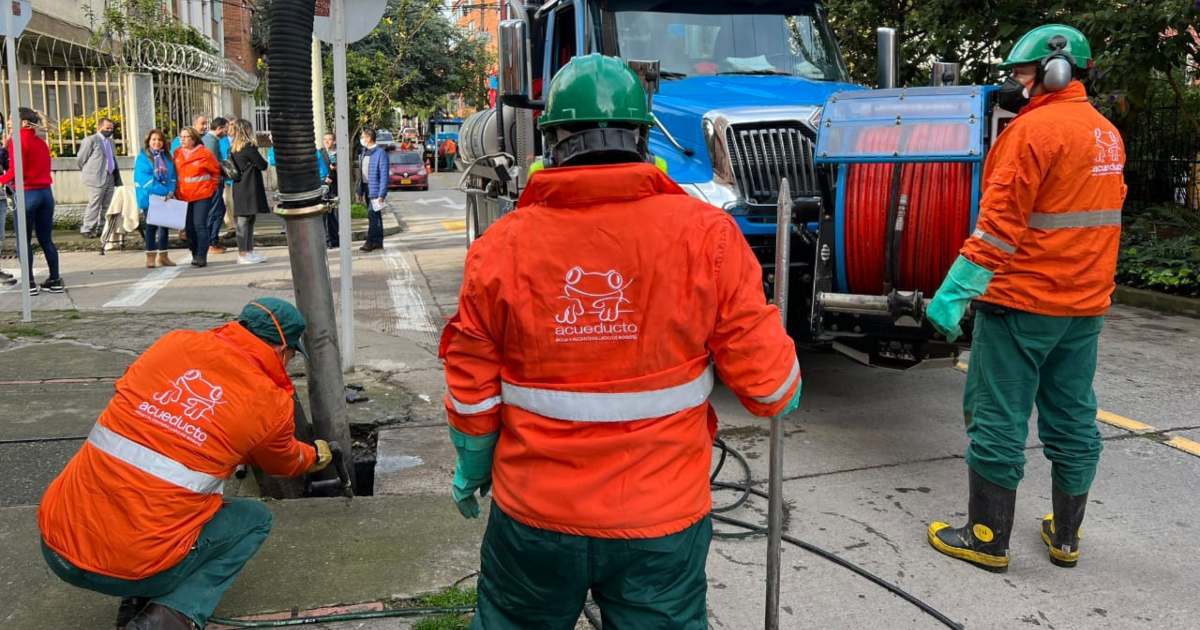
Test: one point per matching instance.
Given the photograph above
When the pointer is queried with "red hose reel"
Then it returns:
(935, 222)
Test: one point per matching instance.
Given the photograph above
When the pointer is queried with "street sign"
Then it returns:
(361, 18)
(21, 13)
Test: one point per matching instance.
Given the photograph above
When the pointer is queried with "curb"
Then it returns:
(136, 243)
(1161, 302)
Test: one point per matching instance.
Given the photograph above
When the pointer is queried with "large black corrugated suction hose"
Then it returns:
(289, 94)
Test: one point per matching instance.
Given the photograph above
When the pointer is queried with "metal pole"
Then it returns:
(314, 297)
(889, 62)
(17, 163)
(318, 91)
(783, 258)
(341, 117)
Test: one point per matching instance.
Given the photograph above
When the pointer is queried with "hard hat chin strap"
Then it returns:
(599, 145)
(282, 339)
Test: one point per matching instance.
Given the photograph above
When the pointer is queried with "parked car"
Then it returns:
(407, 171)
(384, 138)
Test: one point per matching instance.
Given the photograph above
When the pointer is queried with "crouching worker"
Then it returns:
(138, 512)
(579, 372)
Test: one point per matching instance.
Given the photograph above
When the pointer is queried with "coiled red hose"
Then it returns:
(935, 222)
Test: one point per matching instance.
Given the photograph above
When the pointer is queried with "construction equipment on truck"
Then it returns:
(885, 183)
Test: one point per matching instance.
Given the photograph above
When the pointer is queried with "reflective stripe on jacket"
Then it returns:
(1050, 218)
(198, 173)
(132, 501)
(592, 324)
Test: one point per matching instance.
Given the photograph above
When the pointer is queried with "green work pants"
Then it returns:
(533, 578)
(194, 586)
(1019, 360)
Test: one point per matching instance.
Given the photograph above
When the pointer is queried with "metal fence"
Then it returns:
(262, 119)
(178, 98)
(1162, 165)
(70, 100)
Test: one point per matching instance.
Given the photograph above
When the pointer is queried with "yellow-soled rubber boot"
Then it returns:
(983, 541)
(1060, 529)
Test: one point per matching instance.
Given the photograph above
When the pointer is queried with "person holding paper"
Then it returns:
(374, 185)
(154, 174)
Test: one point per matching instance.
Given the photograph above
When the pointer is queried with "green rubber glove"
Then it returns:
(965, 282)
(795, 402)
(472, 469)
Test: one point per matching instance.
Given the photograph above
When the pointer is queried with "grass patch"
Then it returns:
(453, 596)
(15, 331)
(358, 211)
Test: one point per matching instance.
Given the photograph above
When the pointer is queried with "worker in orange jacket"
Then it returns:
(1040, 264)
(138, 512)
(579, 372)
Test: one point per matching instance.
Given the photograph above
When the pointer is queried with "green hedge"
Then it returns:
(1160, 250)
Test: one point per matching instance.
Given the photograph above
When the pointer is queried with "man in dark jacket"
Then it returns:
(374, 185)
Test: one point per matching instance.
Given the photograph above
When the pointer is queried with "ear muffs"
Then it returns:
(1057, 68)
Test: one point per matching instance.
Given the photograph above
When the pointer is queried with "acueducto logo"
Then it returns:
(190, 398)
(594, 305)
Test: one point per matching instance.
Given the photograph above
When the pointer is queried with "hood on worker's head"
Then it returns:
(275, 321)
(582, 185)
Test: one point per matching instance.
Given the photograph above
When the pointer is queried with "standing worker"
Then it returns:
(327, 164)
(579, 372)
(199, 177)
(1040, 264)
(138, 511)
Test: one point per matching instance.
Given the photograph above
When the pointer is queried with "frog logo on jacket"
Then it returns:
(593, 307)
(189, 398)
(1108, 153)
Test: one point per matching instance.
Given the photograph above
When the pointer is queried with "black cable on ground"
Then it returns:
(753, 530)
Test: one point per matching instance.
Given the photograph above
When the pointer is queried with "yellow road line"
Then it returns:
(1189, 446)
(455, 226)
(1121, 422)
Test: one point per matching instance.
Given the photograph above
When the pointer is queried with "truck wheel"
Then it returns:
(472, 220)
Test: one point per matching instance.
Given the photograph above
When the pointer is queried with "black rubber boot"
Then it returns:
(983, 541)
(1060, 529)
(129, 608)
(156, 617)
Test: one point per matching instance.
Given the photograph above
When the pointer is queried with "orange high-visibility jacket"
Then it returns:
(1050, 218)
(131, 502)
(589, 325)
(198, 172)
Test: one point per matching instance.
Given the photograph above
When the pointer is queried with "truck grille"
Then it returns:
(763, 155)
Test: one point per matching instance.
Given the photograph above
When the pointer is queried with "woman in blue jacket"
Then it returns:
(154, 174)
(374, 186)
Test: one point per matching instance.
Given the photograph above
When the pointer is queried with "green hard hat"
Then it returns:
(1041, 41)
(595, 89)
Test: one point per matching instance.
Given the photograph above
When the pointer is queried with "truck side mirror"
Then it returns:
(515, 71)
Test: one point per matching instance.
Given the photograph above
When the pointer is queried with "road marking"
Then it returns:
(151, 283)
(443, 201)
(1121, 422)
(455, 226)
(1189, 446)
(1186, 445)
(407, 303)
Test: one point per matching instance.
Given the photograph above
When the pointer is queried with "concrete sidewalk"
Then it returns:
(321, 552)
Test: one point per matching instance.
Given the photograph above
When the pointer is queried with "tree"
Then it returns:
(414, 59)
(1135, 42)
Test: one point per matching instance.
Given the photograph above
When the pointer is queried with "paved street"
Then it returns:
(871, 456)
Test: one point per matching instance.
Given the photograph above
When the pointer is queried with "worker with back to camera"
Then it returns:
(138, 512)
(1040, 266)
(579, 372)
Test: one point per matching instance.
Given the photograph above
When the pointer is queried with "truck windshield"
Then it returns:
(689, 44)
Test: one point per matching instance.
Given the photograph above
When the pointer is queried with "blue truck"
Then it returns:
(884, 183)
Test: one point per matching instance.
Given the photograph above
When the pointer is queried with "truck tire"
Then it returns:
(472, 220)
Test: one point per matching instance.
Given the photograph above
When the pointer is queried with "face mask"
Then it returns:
(107, 133)
(1013, 95)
